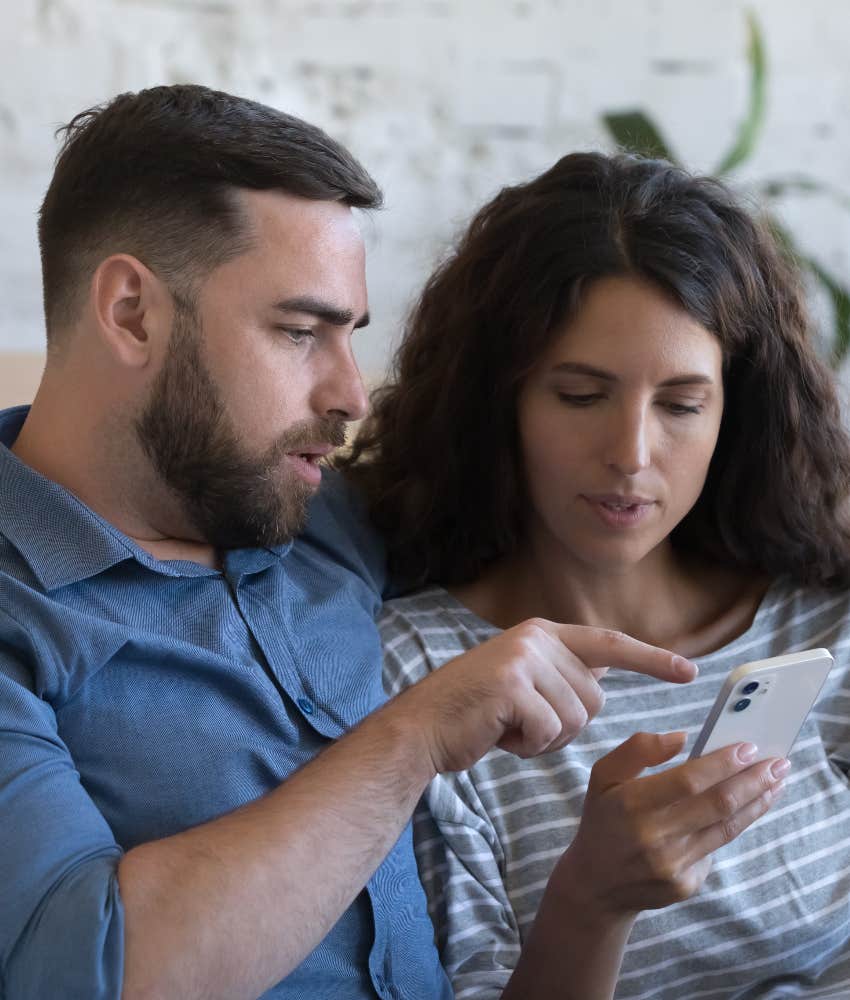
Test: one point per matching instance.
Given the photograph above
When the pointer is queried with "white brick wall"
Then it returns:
(443, 100)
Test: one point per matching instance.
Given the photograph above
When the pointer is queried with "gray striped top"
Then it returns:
(773, 918)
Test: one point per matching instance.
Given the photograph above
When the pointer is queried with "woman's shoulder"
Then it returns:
(423, 630)
(791, 617)
(432, 608)
(804, 606)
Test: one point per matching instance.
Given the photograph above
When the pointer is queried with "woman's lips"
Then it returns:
(619, 510)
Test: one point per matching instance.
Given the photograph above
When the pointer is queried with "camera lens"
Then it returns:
(739, 706)
(749, 688)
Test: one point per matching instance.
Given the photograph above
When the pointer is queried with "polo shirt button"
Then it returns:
(306, 706)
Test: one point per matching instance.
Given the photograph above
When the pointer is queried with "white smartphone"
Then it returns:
(765, 702)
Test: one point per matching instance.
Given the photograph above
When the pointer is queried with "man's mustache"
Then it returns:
(303, 436)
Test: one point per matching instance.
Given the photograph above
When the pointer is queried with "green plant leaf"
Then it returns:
(776, 187)
(840, 296)
(838, 293)
(636, 132)
(750, 127)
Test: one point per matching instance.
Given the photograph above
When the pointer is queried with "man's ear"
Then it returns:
(132, 309)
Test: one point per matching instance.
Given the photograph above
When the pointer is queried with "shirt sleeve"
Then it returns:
(61, 920)
(461, 864)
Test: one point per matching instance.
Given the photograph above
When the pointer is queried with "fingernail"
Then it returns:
(685, 666)
(747, 751)
(779, 768)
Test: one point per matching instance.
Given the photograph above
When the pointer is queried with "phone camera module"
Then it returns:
(750, 688)
(741, 704)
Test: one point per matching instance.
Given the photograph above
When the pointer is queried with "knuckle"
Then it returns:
(574, 716)
(686, 783)
(511, 678)
(641, 742)
(550, 732)
(532, 631)
(569, 731)
(613, 639)
(645, 837)
(628, 797)
(527, 636)
(594, 701)
(661, 866)
(517, 648)
(684, 886)
(540, 740)
(725, 802)
(730, 828)
(764, 802)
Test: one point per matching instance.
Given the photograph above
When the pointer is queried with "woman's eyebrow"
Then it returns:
(580, 368)
(694, 378)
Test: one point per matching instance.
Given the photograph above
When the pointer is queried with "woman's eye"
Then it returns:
(579, 399)
(681, 409)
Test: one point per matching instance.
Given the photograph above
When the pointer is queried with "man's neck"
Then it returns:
(182, 550)
(106, 471)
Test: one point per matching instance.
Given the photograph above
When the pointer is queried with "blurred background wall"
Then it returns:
(444, 101)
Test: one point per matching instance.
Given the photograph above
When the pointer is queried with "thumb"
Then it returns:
(630, 758)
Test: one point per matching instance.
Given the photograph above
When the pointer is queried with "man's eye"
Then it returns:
(297, 334)
(579, 399)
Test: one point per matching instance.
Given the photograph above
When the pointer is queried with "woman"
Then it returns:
(607, 411)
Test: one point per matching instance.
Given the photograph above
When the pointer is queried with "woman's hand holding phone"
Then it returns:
(646, 841)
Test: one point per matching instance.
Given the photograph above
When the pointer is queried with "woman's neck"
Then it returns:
(664, 600)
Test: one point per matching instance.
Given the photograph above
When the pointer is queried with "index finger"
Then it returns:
(601, 648)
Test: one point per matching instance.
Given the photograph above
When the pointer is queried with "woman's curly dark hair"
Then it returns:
(439, 455)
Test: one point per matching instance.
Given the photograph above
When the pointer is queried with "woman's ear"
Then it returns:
(132, 310)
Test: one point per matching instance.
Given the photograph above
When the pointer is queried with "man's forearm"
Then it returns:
(229, 908)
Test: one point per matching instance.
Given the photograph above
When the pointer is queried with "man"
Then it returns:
(201, 791)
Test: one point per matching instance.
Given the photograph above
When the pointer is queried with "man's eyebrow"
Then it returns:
(579, 368)
(324, 311)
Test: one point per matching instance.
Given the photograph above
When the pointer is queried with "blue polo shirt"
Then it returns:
(141, 697)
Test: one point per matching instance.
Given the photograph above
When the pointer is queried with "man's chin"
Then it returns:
(232, 530)
(227, 539)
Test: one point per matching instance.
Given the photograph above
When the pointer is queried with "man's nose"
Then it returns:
(342, 393)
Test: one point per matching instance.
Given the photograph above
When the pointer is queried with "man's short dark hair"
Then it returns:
(153, 174)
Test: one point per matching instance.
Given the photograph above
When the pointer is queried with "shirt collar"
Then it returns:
(64, 541)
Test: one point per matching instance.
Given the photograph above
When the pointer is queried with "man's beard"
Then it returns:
(233, 499)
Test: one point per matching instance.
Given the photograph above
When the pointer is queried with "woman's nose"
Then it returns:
(629, 446)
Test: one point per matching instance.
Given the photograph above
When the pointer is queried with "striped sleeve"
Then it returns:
(461, 864)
